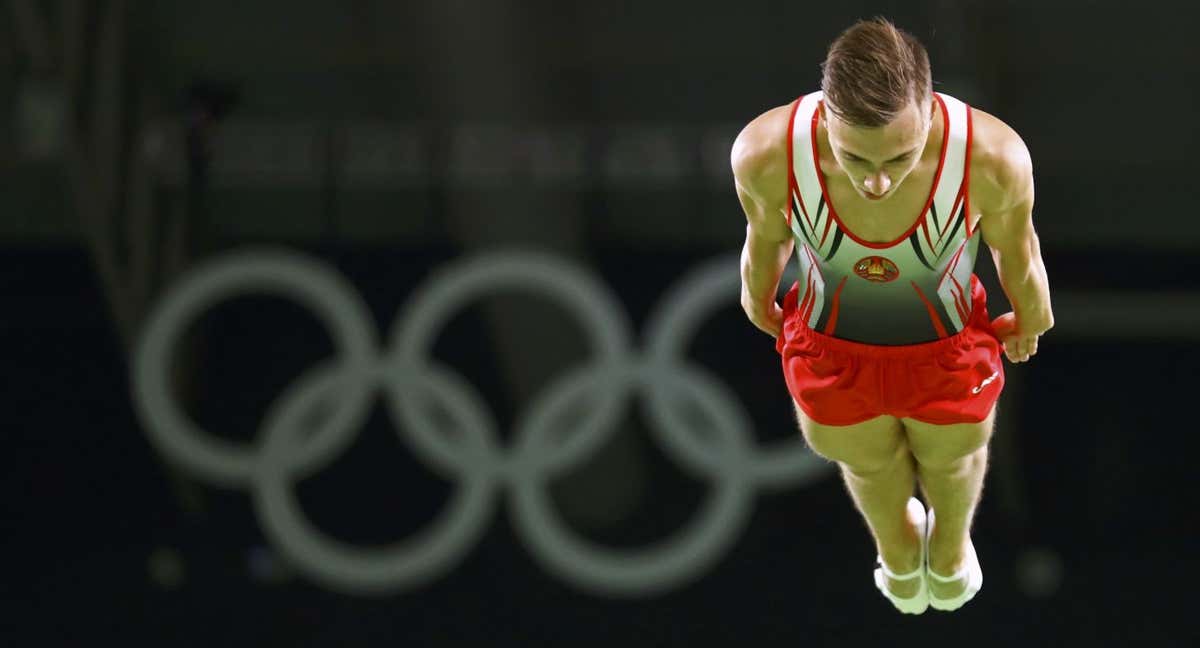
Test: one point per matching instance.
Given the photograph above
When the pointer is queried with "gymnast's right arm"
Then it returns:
(759, 163)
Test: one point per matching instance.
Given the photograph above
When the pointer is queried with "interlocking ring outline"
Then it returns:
(289, 450)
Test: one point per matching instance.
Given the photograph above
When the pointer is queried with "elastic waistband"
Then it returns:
(979, 321)
(920, 349)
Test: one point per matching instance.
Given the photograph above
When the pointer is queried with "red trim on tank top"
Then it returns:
(810, 298)
(964, 314)
(967, 174)
(814, 273)
(833, 307)
(960, 302)
(825, 234)
(932, 191)
(953, 262)
(815, 264)
(933, 316)
(793, 187)
(807, 294)
(950, 216)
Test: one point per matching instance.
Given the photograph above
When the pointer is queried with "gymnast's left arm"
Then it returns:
(1006, 220)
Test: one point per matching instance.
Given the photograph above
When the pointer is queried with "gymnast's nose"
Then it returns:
(877, 184)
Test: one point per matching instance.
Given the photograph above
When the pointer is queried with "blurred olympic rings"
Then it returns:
(318, 415)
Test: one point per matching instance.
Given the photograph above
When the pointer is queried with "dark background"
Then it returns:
(389, 139)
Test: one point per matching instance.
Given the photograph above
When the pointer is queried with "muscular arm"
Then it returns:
(1006, 206)
(759, 164)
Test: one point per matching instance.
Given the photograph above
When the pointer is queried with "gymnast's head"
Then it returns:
(878, 107)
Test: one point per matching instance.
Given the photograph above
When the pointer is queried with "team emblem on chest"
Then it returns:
(876, 268)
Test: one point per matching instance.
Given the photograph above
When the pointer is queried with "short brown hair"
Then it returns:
(872, 71)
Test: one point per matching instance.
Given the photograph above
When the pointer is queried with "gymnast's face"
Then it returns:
(878, 159)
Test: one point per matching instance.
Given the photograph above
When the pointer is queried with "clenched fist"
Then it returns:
(1020, 341)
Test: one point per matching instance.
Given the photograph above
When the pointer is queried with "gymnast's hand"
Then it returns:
(1020, 342)
(768, 318)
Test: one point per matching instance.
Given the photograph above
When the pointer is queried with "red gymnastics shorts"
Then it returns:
(955, 379)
